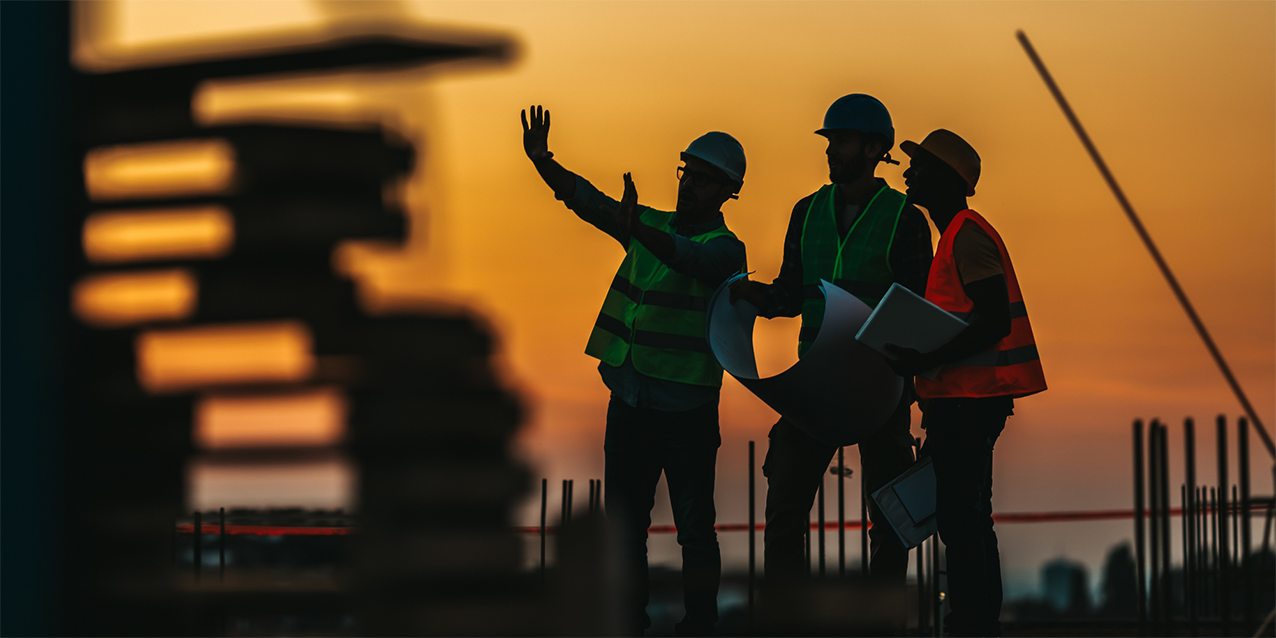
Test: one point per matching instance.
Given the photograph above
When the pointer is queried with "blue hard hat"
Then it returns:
(859, 112)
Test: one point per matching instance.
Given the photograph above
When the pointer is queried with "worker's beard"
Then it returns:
(847, 172)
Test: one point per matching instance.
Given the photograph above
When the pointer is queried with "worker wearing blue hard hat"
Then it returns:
(860, 234)
(655, 360)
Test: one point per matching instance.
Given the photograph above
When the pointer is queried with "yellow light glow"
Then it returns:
(120, 299)
(315, 417)
(204, 232)
(162, 169)
(175, 360)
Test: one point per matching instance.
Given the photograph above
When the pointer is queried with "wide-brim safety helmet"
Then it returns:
(722, 151)
(952, 150)
(859, 112)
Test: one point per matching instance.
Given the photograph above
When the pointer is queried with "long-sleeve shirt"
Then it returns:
(909, 257)
(712, 262)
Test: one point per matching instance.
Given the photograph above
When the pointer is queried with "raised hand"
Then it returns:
(626, 217)
(536, 133)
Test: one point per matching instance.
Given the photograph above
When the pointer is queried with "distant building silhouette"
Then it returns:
(1064, 584)
(1120, 589)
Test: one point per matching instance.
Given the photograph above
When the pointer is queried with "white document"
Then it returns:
(840, 392)
(908, 502)
(904, 319)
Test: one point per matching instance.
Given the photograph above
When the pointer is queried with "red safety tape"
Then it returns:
(1010, 517)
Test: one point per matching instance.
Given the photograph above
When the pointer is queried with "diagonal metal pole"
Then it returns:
(1147, 241)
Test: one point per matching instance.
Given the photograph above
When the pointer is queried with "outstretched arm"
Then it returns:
(626, 216)
(536, 145)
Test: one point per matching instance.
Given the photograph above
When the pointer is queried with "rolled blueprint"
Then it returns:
(840, 392)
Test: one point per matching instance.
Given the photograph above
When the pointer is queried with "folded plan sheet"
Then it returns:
(841, 392)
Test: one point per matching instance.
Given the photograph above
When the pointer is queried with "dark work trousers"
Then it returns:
(796, 463)
(960, 434)
(640, 444)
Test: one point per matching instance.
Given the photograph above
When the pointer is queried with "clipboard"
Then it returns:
(907, 320)
(908, 502)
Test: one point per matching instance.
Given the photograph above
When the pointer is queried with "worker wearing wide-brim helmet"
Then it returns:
(654, 358)
(981, 371)
(860, 234)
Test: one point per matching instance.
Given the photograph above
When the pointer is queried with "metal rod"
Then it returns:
(752, 535)
(1236, 516)
(197, 540)
(819, 497)
(863, 525)
(1189, 527)
(1247, 564)
(590, 506)
(544, 507)
(221, 544)
(1224, 571)
(1187, 586)
(1140, 551)
(841, 513)
(935, 571)
(806, 539)
(1166, 540)
(562, 519)
(571, 489)
(1147, 241)
(1154, 526)
(1202, 556)
(921, 589)
(1214, 566)
(1267, 535)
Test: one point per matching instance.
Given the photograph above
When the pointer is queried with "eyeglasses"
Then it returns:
(698, 179)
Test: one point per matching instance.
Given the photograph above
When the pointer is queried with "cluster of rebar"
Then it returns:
(1218, 569)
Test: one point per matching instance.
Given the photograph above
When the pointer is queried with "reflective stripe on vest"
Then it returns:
(1012, 366)
(858, 263)
(656, 316)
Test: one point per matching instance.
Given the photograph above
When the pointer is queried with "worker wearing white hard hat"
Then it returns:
(859, 233)
(654, 358)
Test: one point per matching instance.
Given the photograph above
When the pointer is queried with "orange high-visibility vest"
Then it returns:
(1011, 367)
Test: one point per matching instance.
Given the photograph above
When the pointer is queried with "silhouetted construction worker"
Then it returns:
(985, 367)
(858, 233)
(655, 359)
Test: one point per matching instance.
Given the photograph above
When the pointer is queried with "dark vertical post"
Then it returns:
(1224, 586)
(1246, 565)
(1187, 554)
(590, 507)
(1140, 567)
(752, 535)
(571, 488)
(806, 539)
(221, 544)
(841, 513)
(196, 541)
(544, 507)
(863, 525)
(562, 519)
(819, 515)
(1167, 583)
(1154, 526)
(921, 589)
(1235, 527)
(1214, 566)
(1189, 528)
(935, 604)
(1267, 533)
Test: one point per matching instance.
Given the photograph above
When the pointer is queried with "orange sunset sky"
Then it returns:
(1180, 97)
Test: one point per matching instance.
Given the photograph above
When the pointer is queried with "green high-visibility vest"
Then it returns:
(858, 263)
(657, 316)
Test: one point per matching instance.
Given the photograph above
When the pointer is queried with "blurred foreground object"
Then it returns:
(204, 294)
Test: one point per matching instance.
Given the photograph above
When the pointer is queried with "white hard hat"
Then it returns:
(721, 150)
